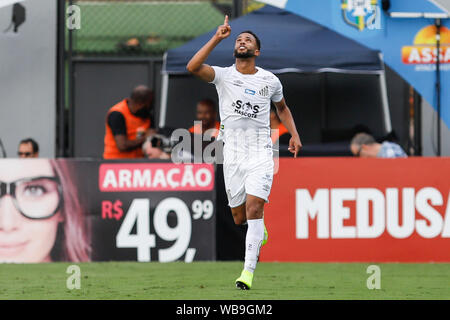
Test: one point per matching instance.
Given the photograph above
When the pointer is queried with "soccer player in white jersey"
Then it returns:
(245, 92)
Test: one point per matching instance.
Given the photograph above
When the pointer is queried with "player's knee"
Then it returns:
(254, 211)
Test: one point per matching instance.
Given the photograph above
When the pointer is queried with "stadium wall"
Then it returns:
(429, 132)
(28, 77)
(99, 84)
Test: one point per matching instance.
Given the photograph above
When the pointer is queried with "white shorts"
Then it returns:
(247, 175)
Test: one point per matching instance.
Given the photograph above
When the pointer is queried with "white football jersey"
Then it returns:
(244, 99)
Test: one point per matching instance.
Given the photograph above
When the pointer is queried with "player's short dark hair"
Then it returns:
(209, 103)
(258, 42)
(34, 144)
(363, 139)
(142, 94)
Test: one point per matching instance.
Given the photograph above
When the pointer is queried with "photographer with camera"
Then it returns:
(127, 125)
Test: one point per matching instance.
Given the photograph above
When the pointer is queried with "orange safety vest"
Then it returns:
(197, 129)
(281, 130)
(133, 125)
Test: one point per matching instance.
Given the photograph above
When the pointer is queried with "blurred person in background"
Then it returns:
(207, 114)
(41, 218)
(365, 146)
(127, 125)
(28, 148)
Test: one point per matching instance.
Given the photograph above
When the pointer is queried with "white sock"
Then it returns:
(253, 240)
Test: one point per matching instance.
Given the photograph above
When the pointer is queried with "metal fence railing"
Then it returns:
(146, 27)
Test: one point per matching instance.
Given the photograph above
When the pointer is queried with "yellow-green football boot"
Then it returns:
(244, 282)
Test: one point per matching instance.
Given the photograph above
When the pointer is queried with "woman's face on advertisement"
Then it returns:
(28, 216)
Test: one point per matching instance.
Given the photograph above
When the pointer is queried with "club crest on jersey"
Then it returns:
(264, 92)
(249, 91)
(245, 109)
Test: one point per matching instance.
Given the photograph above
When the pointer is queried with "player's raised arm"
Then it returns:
(286, 118)
(196, 65)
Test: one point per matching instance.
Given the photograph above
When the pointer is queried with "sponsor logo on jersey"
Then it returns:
(238, 83)
(264, 92)
(245, 109)
(249, 91)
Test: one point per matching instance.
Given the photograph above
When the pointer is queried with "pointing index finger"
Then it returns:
(225, 22)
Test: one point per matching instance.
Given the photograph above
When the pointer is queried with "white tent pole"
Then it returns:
(163, 105)
(384, 98)
(164, 93)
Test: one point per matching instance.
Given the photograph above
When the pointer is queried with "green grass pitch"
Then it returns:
(215, 280)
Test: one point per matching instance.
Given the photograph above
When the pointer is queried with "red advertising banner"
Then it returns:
(359, 210)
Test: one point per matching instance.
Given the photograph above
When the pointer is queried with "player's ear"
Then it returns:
(257, 52)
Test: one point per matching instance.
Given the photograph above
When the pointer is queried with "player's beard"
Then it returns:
(244, 55)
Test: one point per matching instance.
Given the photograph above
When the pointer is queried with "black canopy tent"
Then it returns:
(290, 45)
